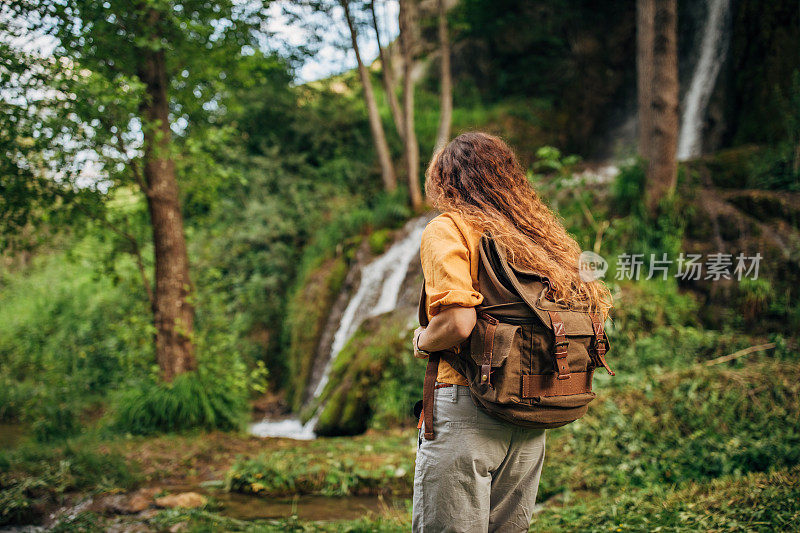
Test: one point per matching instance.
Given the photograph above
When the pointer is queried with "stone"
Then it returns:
(124, 503)
(186, 500)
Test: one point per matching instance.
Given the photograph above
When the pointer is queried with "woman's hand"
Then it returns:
(415, 342)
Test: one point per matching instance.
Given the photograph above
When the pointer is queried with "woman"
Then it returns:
(481, 473)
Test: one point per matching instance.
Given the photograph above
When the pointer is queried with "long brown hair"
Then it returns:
(477, 176)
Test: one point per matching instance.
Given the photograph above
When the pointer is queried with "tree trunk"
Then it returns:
(375, 124)
(407, 43)
(173, 315)
(662, 172)
(388, 78)
(446, 90)
(645, 11)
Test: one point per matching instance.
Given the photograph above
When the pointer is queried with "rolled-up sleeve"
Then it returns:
(446, 265)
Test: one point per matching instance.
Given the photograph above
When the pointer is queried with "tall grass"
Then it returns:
(191, 400)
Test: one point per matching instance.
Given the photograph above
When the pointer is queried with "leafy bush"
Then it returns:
(60, 320)
(55, 416)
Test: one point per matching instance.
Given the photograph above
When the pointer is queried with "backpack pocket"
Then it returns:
(496, 340)
(491, 345)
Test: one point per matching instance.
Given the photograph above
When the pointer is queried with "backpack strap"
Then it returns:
(561, 343)
(488, 348)
(428, 386)
(600, 343)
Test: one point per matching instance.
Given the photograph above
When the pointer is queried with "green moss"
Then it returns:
(377, 359)
(379, 240)
(308, 311)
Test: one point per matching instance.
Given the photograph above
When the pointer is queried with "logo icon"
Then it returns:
(591, 266)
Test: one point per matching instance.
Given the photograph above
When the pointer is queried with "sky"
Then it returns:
(331, 58)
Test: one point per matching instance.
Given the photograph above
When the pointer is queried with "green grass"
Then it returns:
(192, 400)
(330, 467)
(753, 502)
(35, 477)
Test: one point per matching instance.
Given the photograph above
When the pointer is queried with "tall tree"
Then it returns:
(408, 43)
(124, 72)
(376, 125)
(645, 10)
(446, 80)
(388, 76)
(173, 312)
(661, 134)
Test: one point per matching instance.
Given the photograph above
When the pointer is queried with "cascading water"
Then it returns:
(713, 48)
(378, 293)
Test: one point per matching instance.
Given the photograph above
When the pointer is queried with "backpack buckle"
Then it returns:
(560, 345)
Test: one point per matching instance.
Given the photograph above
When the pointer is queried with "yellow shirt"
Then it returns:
(450, 256)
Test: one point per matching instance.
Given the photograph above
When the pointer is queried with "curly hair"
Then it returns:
(477, 176)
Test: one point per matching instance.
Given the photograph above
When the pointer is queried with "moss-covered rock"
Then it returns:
(374, 379)
(307, 314)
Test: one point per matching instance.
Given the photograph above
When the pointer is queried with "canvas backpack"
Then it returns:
(529, 360)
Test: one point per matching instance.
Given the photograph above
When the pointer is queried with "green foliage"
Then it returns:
(646, 305)
(332, 467)
(192, 400)
(59, 319)
(34, 476)
(639, 230)
(66, 338)
(551, 161)
(676, 428)
(773, 167)
(628, 189)
(14, 396)
(340, 233)
(756, 502)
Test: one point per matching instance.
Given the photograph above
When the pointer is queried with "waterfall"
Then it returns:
(378, 293)
(712, 53)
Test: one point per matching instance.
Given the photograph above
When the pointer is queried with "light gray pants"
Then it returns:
(479, 473)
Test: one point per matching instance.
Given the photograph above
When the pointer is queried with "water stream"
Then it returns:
(378, 293)
(713, 48)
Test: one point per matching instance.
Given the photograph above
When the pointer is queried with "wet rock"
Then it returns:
(187, 500)
(139, 502)
(132, 503)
